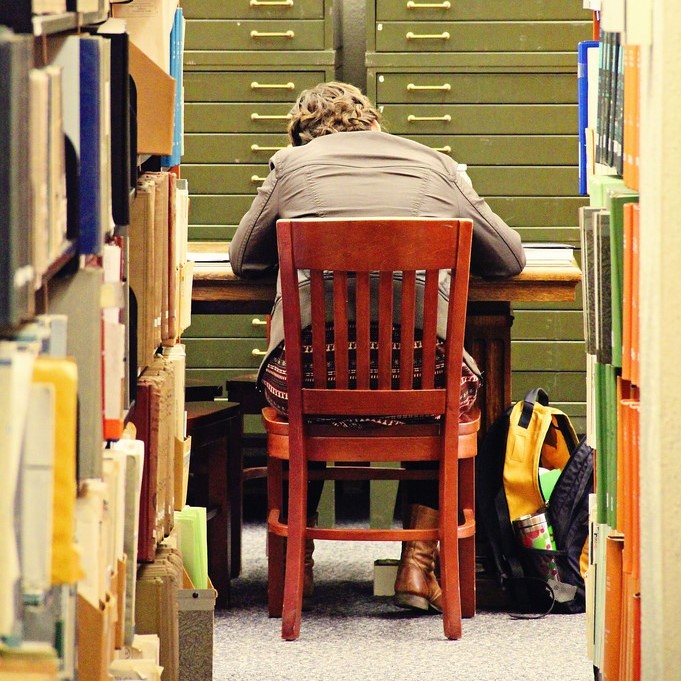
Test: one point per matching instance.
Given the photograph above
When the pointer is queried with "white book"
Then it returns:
(548, 254)
(37, 491)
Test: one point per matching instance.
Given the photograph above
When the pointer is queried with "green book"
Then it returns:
(601, 443)
(616, 198)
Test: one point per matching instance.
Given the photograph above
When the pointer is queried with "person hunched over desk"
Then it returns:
(341, 164)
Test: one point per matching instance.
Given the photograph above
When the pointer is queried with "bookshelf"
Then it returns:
(610, 159)
(78, 469)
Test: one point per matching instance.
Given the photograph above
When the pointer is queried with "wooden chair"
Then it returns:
(362, 258)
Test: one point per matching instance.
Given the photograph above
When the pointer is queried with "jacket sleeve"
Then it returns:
(253, 250)
(497, 250)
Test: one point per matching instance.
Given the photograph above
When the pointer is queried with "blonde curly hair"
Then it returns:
(328, 108)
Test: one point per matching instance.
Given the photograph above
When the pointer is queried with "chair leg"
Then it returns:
(467, 545)
(449, 553)
(295, 552)
(275, 543)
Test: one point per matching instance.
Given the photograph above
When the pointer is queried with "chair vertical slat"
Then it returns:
(363, 326)
(385, 321)
(340, 327)
(407, 319)
(318, 308)
(429, 328)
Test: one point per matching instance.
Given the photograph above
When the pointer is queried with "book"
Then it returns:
(615, 200)
(17, 274)
(548, 254)
(584, 49)
(37, 492)
(79, 297)
(15, 389)
(610, 669)
(62, 373)
(123, 148)
(602, 286)
(586, 231)
(142, 270)
(90, 238)
(176, 71)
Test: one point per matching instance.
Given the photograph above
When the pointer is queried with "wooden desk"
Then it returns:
(488, 329)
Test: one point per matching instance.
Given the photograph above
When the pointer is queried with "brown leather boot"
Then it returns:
(416, 585)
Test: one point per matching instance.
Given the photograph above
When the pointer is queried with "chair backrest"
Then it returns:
(364, 275)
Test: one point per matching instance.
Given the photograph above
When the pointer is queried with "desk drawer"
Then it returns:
(502, 150)
(231, 148)
(248, 86)
(244, 118)
(478, 88)
(488, 119)
(224, 179)
(253, 9)
(492, 36)
(259, 36)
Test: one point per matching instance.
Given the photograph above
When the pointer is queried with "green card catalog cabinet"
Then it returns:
(493, 85)
(245, 62)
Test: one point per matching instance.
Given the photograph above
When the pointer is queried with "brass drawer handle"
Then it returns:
(258, 353)
(271, 3)
(257, 147)
(445, 150)
(446, 87)
(270, 117)
(413, 119)
(255, 179)
(427, 36)
(423, 5)
(258, 322)
(274, 34)
(272, 86)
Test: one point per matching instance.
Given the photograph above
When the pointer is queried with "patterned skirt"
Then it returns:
(275, 387)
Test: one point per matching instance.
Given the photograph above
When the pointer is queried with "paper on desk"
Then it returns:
(208, 258)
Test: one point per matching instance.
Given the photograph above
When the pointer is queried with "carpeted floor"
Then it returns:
(352, 635)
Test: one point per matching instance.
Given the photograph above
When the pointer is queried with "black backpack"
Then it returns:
(527, 435)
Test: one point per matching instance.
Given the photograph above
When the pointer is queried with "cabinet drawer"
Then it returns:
(227, 326)
(523, 180)
(248, 86)
(499, 10)
(212, 232)
(547, 325)
(491, 36)
(260, 36)
(224, 179)
(223, 209)
(488, 119)
(476, 88)
(504, 150)
(204, 353)
(253, 9)
(536, 211)
(231, 148)
(226, 117)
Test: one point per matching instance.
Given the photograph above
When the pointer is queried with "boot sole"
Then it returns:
(414, 602)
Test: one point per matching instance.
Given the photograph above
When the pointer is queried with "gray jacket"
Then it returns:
(366, 174)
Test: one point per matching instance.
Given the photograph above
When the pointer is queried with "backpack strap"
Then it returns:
(532, 396)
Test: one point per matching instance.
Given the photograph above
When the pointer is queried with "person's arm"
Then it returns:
(253, 250)
(497, 250)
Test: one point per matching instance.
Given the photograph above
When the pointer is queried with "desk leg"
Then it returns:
(488, 339)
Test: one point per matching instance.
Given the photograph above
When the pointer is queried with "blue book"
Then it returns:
(176, 50)
(583, 106)
(90, 237)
